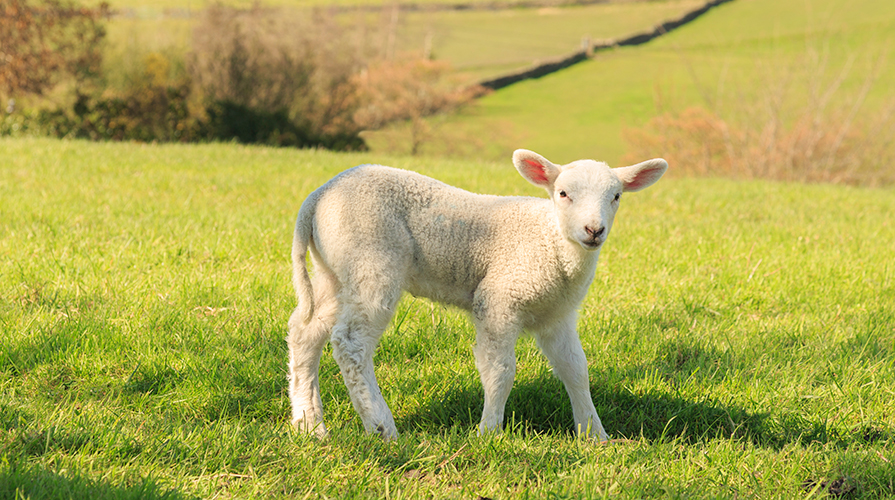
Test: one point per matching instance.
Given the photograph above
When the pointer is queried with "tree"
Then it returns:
(43, 41)
(409, 90)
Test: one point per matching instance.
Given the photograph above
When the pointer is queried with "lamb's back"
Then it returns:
(446, 240)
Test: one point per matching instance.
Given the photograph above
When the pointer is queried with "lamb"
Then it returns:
(515, 263)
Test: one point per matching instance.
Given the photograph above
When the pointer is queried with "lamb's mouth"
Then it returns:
(592, 244)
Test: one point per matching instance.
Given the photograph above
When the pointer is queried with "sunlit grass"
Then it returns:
(740, 339)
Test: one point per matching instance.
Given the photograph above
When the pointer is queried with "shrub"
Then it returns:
(411, 90)
(283, 77)
(150, 114)
(269, 64)
(797, 130)
(45, 41)
(699, 142)
(228, 120)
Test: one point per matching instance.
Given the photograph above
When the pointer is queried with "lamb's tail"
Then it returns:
(300, 278)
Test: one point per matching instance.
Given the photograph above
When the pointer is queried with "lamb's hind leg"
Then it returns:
(306, 343)
(354, 338)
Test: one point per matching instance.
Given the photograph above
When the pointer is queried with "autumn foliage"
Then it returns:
(409, 90)
(808, 124)
(42, 42)
(701, 143)
(260, 75)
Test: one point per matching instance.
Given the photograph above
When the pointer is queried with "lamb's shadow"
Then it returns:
(540, 404)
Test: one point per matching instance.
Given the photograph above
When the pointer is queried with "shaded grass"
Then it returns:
(740, 340)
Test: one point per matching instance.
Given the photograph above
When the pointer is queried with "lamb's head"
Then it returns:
(586, 193)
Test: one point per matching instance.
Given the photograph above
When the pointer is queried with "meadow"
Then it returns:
(740, 337)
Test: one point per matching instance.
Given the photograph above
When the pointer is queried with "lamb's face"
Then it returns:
(586, 196)
(586, 193)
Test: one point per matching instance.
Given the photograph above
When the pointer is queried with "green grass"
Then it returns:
(741, 337)
(733, 53)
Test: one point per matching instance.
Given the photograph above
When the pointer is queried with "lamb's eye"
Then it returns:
(562, 194)
(617, 196)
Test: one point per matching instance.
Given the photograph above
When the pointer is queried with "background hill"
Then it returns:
(480, 40)
(753, 89)
(735, 60)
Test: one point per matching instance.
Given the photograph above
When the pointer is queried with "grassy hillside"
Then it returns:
(740, 339)
(730, 58)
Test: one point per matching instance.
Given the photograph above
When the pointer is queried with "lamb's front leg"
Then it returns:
(562, 347)
(495, 359)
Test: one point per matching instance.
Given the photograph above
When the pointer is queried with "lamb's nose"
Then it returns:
(595, 233)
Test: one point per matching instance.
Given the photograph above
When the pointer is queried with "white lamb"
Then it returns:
(516, 263)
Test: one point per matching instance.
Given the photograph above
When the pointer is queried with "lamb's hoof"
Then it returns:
(486, 430)
(387, 434)
(315, 428)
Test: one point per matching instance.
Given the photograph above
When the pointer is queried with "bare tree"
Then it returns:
(409, 90)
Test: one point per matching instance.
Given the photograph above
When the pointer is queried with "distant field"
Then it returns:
(737, 51)
(740, 337)
(478, 43)
(147, 7)
(486, 43)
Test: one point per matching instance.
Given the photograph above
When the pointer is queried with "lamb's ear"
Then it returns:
(642, 175)
(535, 168)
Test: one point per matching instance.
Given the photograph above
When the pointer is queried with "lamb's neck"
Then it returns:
(576, 262)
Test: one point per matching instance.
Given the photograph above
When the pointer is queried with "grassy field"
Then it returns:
(741, 340)
(729, 58)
